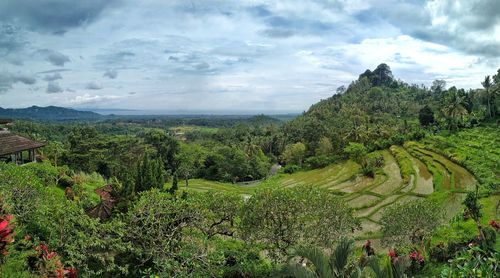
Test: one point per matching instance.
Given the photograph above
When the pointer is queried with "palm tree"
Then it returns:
(487, 90)
(336, 265)
(454, 107)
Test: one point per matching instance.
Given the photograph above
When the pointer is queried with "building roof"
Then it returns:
(11, 143)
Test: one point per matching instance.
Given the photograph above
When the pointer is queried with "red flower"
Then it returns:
(71, 273)
(5, 233)
(494, 224)
(416, 256)
(367, 244)
(391, 253)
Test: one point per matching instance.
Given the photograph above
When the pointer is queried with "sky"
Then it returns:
(239, 56)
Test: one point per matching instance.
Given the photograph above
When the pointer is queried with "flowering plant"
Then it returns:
(6, 233)
(50, 265)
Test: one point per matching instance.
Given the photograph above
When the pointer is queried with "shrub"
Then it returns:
(290, 169)
(318, 161)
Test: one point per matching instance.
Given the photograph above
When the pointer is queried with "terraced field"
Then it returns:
(409, 172)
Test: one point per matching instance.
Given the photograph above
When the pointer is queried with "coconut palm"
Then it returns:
(454, 107)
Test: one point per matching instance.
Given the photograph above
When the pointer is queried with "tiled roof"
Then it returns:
(12, 143)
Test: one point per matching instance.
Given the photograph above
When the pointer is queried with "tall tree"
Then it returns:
(487, 91)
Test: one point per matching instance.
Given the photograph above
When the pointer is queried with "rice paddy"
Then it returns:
(410, 172)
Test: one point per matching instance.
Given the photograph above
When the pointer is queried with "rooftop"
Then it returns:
(11, 143)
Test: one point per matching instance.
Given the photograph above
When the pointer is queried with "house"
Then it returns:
(15, 148)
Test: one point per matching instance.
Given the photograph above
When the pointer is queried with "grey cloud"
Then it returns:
(54, 70)
(53, 88)
(52, 15)
(465, 25)
(111, 74)
(202, 66)
(11, 39)
(52, 77)
(8, 79)
(93, 86)
(54, 57)
(278, 33)
(120, 58)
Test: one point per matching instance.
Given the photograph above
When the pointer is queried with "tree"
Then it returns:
(294, 153)
(357, 152)
(189, 159)
(149, 174)
(438, 87)
(220, 210)
(426, 116)
(454, 107)
(54, 150)
(325, 146)
(491, 93)
(409, 223)
(166, 146)
(174, 186)
(487, 90)
(282, 218)
(473, 209)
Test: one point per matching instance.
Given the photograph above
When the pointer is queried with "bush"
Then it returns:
(47, 173)
(318, 161)
(290, 169)
(66, 181)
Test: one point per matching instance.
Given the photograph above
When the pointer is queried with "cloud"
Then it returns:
(53, 88)
(8, 79)
(471, 26)
(91, 99)
(11, 39)
(52, 77)
(54, 57)
(53, 15)
(93, 86)
(111, 74)
(52, 71)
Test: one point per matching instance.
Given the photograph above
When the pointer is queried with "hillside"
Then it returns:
(379, 110)
(49, 113)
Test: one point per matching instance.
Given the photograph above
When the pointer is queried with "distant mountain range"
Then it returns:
(49, 113)
(58, 114)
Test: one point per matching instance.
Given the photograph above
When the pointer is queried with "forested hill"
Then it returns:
(378, 110)
(49, 113)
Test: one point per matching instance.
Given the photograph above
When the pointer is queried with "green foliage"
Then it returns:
(473, 262)
(281, 218)
(295, 153)
(233, 165)
(356, 152)
(426, 116)
(409, 223)
(322, 266)
(149, 174)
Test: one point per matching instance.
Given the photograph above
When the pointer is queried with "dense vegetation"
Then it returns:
(381, 167)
